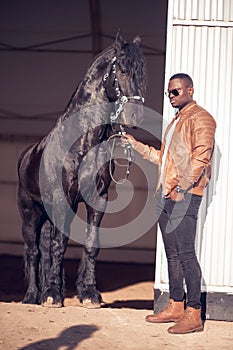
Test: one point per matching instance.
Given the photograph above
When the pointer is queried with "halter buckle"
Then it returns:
(114, 59)
(124, 99)
(106, 76)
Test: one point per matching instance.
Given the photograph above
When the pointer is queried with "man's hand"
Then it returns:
(176, 197)
(126, 138)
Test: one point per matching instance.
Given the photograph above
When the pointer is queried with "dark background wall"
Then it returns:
(45, 48)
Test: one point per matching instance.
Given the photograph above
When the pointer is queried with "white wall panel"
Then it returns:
(203, 10)
(204, 50)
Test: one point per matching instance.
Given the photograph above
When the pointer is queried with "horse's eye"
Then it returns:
(123, 72)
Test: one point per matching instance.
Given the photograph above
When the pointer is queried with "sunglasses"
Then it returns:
(174, 92)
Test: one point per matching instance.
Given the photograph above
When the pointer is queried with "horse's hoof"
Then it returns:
(32, 302)
(50, 303)
(30, 298)
(88, 304)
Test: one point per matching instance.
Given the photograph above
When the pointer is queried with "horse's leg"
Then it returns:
(31, 221)
(45, 258)
(81, 274)
(53, 296)
(86, 281)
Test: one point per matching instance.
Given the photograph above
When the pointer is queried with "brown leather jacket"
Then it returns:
(188, 160)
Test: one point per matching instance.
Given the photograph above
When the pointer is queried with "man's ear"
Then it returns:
(191, 91)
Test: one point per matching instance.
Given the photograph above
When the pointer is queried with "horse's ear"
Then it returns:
(119, 41)
(137, 40)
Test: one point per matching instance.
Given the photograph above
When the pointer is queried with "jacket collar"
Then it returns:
(184, 110)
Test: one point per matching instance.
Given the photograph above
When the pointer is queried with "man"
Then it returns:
(185, 163)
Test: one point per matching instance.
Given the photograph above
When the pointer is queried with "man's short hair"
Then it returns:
(183, 76)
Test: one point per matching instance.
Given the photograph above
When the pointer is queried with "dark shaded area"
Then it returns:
(130, 304)
(110, 276)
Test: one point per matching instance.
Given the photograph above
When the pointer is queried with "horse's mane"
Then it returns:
(134, 63)
(130, 59)
(94, 75)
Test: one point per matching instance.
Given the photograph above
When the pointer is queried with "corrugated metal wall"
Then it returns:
(200, 43)
(202, 10)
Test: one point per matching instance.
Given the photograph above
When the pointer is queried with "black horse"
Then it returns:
(52, 184)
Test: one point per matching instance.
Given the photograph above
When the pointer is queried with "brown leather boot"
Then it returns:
(191, 322)
(172, 313)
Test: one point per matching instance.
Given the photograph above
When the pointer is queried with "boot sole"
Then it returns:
(163, 321)
(199, 329)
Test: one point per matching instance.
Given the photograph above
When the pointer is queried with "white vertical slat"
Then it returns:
(230, 12)
(218, 249)
(206, 53)
(200, 10)
(194, 9)
(222, 10)
(208, 9)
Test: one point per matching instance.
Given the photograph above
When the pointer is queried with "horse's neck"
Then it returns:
(84, 96)
(88, 110)
(90, 91)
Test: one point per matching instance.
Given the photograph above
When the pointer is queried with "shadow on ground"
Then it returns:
(69, 338)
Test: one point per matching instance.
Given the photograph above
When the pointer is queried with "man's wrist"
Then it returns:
(179, 189)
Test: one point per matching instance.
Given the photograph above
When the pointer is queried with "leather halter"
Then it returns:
(119, 100)
(114, 95)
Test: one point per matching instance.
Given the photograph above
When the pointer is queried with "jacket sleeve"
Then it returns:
(202, 137)
(149, 153)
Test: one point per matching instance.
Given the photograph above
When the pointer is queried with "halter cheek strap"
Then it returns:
(113, 92)
(114, 95)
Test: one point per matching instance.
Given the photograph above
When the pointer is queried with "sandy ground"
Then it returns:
(119, 324)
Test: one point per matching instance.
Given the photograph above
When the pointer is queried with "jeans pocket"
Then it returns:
(194, 205)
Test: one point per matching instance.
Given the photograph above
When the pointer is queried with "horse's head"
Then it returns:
(125, 82)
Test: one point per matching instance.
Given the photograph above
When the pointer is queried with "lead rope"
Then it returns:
(128, 149)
